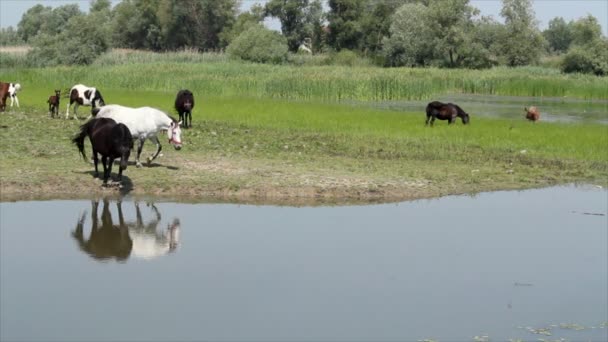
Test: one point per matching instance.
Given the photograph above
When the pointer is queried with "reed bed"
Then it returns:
(213, 74)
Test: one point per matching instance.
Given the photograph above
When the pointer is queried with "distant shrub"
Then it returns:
(588, 59)
(347, 58)
(300, 59)
(259, 44)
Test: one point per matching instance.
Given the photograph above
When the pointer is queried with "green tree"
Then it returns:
(259, 44)
(100, 6)
(9, 36)
(196, 23)
(345, 24)
(558, 35)
(299, 19)
(586, 30)
(135, 25)
(522, 41)
(376, 22)
(84, 38)
(410, 37)
(255, 15)
(452, 24)
(590, 58)
(31, 21)
(589, 51)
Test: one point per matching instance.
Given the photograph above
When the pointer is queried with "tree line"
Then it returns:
(391, 33)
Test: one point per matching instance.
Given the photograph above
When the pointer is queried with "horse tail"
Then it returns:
(78, 139)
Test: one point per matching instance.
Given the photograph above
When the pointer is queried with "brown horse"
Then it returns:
(445, 111)
(532, 113)
(53, 102)
(4, 86)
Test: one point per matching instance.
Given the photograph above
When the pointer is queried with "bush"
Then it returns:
(80, 43)
(259, 44)
(346, 58)
(588, 59)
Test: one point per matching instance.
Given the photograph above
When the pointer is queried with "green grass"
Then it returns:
(256, 147)
(278, 131)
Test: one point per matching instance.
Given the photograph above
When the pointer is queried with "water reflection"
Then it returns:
(119, 241)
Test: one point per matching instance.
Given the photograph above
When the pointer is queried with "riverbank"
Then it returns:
(271, 151)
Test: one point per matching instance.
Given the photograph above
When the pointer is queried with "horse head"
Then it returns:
(174, 133)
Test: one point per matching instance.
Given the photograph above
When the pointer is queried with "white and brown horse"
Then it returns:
(81, 95)
(8, 90)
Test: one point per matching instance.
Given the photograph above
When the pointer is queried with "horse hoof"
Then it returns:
(138, 164)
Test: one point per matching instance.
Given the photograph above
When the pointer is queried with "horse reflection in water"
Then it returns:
(120, 241)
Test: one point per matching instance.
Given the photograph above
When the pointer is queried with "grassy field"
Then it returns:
(277, 133)
(276, 150)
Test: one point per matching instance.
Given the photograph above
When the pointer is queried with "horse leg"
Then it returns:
(17, 100)
(190, 121)
(95, 161)
(140, 146)
(104, 160)
(428, 118)
(67, 111)
(75, 111)
(158, 149)
(110, 162)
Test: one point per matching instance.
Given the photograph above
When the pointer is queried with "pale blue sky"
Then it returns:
(545, 10)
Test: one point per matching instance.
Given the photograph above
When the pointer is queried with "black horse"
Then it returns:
(445, 111)
(108, 240)
(184, 102)
(110, 139)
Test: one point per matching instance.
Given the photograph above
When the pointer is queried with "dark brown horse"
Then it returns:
(184, 102)
(110, 139)
(445, 111)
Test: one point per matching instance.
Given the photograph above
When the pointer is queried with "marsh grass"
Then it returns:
(214, 74)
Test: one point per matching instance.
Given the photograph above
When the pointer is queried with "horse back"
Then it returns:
(142, 121)
(441, 110)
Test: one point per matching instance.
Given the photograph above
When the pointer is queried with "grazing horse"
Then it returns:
(144, 123)
(81, 95)
(126, 239)
(53, 102)
(445, 111)
(110, 139)
(532, 114)
(3, 95)
(184, 102)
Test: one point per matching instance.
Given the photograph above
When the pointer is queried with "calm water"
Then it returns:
(512, 107)
(502, 264)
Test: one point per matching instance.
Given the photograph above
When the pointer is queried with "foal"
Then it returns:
(53, 102)
(110, 139)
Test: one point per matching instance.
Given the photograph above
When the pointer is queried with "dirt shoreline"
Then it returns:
(292, 196)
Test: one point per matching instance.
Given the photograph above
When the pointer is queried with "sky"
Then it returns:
(545, 10)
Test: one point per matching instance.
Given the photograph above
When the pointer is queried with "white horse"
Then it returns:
(144, 123)
(81, 95)
(12, 92)
(151, 243)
